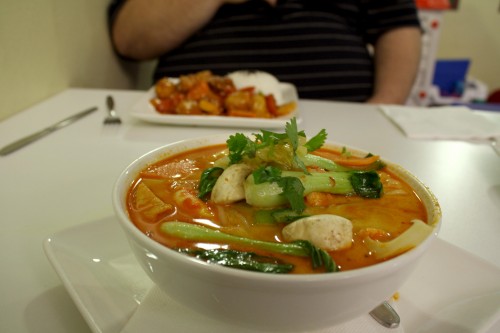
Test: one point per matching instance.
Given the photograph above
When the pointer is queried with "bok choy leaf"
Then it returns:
(198, 233)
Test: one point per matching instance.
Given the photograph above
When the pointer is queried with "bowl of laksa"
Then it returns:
(275, 230)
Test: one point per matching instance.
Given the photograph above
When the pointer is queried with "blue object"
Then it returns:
(450, 76)
(481, 106)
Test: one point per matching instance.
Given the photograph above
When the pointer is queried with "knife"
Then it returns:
(40, 134)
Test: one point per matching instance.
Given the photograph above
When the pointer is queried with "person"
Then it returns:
(321, 46)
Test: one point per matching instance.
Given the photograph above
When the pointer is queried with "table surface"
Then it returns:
(66, 178)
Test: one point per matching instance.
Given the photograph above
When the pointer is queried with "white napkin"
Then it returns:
(158, 313)
(447, 122)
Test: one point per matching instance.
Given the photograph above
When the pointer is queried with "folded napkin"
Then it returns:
(159, 313)
(448, 122)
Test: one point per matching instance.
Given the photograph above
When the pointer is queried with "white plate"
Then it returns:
(144, 110)
(450, 291)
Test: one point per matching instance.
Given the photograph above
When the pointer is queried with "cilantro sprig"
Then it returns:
(316, 141)
(240, 146)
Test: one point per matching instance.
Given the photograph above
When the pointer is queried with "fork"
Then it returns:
(495, 145)
(385, 315)
(112, 117)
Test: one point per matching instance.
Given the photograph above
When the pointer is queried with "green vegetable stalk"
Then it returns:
(269, 194)
(324, 163)
(198, 233)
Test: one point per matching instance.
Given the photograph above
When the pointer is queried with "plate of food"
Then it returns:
(245, 99)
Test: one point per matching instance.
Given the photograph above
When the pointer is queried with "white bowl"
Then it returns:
(267, 301)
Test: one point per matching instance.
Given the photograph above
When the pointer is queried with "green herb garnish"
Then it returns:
(208, 179)
(249, 261)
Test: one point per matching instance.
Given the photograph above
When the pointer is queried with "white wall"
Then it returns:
(49, 45)
(473, 32)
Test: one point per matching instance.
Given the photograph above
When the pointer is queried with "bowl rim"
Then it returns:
(126, 177)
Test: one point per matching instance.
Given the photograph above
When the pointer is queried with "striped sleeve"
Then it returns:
(318, 45)
(383, 15)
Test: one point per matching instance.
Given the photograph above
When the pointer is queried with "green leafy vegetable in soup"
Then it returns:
(278, 203)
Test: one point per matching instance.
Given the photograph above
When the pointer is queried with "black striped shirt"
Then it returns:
(318, 45)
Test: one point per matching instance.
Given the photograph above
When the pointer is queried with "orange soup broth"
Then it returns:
(391, 213)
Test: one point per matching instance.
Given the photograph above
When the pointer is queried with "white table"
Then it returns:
(66, 178)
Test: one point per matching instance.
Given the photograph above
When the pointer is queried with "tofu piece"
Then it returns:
(150, 205)
(328, 232)
(229, 187)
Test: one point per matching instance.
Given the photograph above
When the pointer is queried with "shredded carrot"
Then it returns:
(374, 233)
(318, 199)
(356, 161)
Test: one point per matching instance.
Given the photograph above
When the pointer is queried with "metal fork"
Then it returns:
(494, 144)
(112, 117)
(385, 315)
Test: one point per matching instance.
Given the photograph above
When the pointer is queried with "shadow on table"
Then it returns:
(43, 314)
(494, 195)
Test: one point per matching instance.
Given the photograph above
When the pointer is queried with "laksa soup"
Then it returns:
(278, 203)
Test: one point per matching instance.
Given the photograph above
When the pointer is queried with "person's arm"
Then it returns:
(145, 29)
(397, 58)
